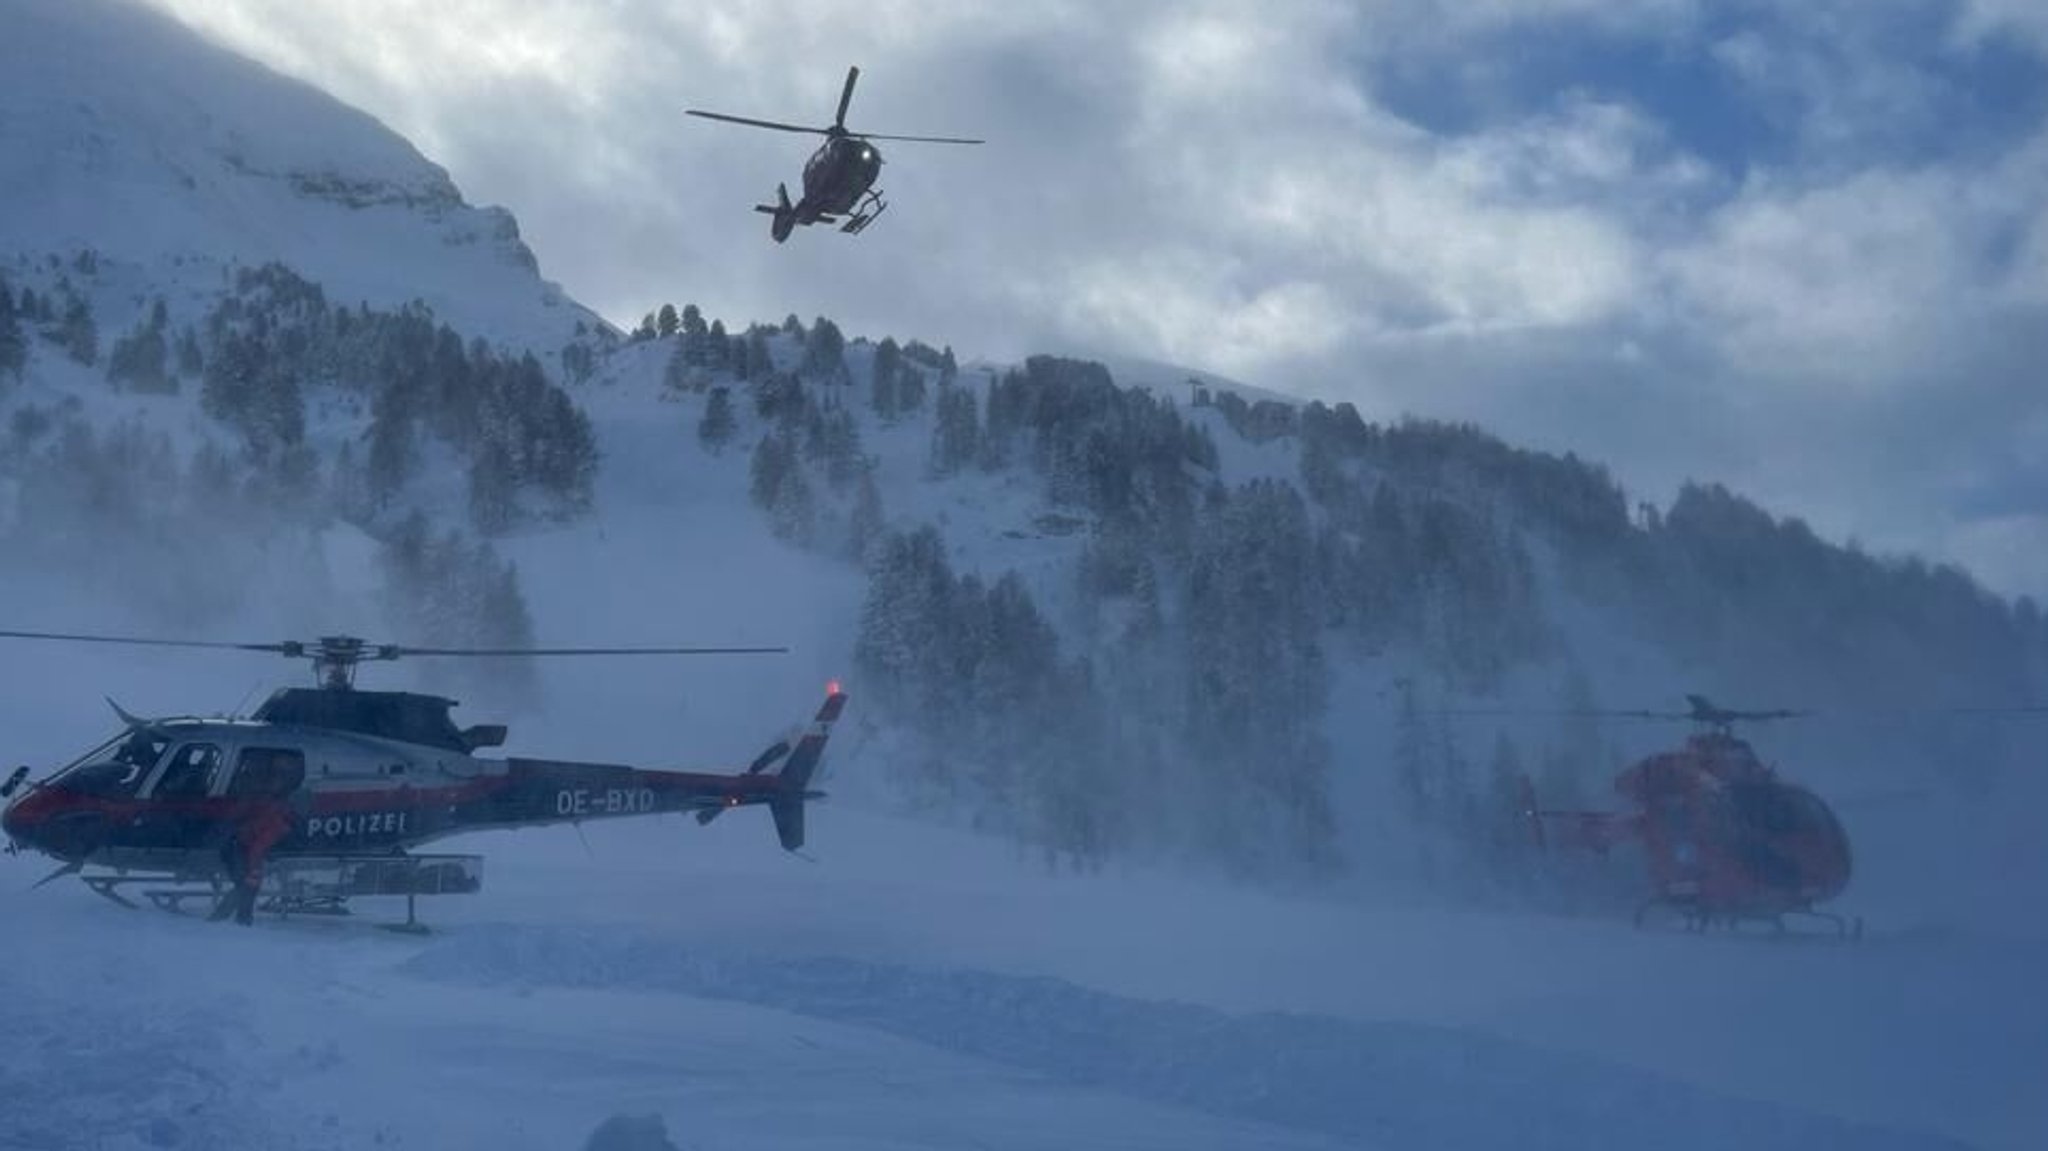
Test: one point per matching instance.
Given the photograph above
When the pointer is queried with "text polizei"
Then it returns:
(367, 823)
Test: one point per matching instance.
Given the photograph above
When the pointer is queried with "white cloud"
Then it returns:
(1836, 283)
(2026, 20)
(1213, 182)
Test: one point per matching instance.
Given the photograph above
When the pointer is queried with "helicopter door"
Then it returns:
(267, 773)
(190, 774)
(176, 818)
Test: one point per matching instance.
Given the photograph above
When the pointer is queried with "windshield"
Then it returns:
(116, 767)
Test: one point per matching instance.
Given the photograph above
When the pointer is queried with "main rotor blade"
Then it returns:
(511, 652)
(917, 139)
(845, 98)
(142, 641)
(780, 127)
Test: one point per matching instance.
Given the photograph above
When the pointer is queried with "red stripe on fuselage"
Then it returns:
(567, 774)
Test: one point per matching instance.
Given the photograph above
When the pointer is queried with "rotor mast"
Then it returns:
(335, 658)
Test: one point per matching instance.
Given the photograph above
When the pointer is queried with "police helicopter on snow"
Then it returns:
(839, 177)
(326, 793)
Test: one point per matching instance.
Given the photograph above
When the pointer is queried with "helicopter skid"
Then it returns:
(1696, 919)
(307, 885)
(864, 215)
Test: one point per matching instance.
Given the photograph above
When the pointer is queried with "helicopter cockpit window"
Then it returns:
(191, 772)
(141, 750)
(1769, 810)
(116, 767)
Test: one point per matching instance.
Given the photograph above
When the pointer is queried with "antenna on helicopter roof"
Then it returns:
(243, 702)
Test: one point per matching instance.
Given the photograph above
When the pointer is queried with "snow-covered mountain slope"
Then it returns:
(125, 133)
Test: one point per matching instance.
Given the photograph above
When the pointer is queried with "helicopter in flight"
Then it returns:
(325, 793)
(1725, 839)
(838, 178)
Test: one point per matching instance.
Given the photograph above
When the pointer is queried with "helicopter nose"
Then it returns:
(14, 822)
(24, 819)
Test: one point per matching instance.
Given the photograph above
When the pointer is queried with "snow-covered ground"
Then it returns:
(915, 987)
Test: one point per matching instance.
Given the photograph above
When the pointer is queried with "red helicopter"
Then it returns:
(324, 793)
(1725, 838)
(839, 176)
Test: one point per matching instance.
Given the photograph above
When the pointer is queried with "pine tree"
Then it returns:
(825, 353)
(675, 375)
(795, 512)
(867, 521)
(909, 390)
(717, 426)
(907, 620)
(1258, 680)
(493, 490)
(759, 361)
(191, 362)
(883, 392)
(718, 348)
(696, 349)
(816, 444)
(13, 341)
(578, 362)
(842, 449)
(773, 457)
(956, 436)
(77, 334)
(139, 358)
(666, 321)
(391, 452)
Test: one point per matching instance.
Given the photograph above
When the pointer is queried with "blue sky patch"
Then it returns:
(1892, 88)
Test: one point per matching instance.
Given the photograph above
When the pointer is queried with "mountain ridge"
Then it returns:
(130, 135)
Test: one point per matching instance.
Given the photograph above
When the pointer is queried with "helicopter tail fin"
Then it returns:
(784, 214)
(793, 762)
(797, 771)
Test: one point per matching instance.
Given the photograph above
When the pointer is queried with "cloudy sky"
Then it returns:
(1799, 248)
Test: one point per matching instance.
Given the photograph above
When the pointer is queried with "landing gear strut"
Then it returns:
(864, 214)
